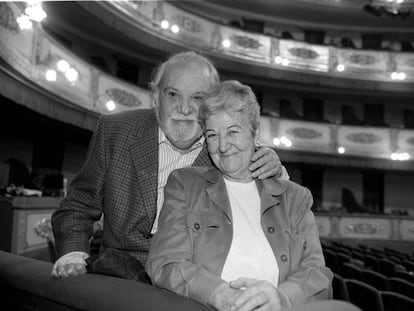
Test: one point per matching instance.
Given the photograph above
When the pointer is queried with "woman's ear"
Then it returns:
(257, 137)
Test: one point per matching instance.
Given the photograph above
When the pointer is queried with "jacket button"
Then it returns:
(197, 226)
(283, 257)
(270, 229)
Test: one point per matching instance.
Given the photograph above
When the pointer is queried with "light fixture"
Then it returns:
(276, 141)
(51, 75)
(71, 74)
(226, 43)
(35, 12)
(175, 28)
(399, 156)
(341, 150)
(165, 24)
(285, 62)
(110, 105)
(340, 67)
(278, 60)
(24, 22)
(63, 65)
(398, 75)
(286, 141)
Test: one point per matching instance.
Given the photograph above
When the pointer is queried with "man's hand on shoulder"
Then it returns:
(266, 163)
(70, 264)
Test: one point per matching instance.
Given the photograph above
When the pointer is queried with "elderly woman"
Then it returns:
(227, 240)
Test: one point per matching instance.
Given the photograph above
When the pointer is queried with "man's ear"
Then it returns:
(155, 99)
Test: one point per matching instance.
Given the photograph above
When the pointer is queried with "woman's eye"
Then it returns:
(211, 136)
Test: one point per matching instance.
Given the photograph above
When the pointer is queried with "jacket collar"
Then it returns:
(269, 190)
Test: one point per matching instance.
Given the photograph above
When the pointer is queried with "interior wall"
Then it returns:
(21, 129)
(398, 192)
(334, 181)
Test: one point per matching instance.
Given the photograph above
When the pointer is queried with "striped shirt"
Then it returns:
(170, 159)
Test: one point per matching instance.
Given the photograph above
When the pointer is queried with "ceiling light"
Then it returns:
(110, 105)
(63, 65)
(165, 24)
(51, 75)
(175, 28)
(226, 43)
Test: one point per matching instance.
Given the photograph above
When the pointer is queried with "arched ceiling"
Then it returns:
(345, 15)
(72, 19)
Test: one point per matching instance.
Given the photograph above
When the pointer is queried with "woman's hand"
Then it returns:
(266, 163)
(255, 295)
(223, 297)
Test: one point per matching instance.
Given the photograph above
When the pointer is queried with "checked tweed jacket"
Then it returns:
(118, 179)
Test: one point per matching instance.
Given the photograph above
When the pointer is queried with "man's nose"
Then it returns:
(185, 108)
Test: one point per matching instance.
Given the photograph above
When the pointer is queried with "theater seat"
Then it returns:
(375, 279)
(401, 286)
(340, 291)
(350, 271)
(405, 276)
(372, 262)
(387, 267)
(396, 302)
(363, 295)
(326, 305)
(331, 260)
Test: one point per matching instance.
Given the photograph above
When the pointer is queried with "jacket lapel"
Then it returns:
(217, 191)
(144, 154)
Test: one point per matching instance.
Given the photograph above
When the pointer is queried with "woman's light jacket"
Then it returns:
(194, 236)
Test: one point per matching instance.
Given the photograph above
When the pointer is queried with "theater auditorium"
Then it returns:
(335, 85)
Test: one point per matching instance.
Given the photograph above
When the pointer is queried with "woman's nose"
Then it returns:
(223, 144)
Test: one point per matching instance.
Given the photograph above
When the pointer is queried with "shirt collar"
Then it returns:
(162, 139)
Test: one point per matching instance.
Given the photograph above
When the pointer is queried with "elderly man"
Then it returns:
(129, 159)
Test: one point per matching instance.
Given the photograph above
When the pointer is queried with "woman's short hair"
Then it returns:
(232, 97)
(184, 58)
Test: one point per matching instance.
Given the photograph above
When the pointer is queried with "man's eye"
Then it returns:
(172, 94)
(198, 97)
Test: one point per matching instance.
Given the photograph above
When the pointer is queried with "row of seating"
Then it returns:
(371, 278)
(367, 297)
(377, 280)
(389, 263)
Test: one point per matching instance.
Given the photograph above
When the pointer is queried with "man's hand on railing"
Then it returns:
(71, 264)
